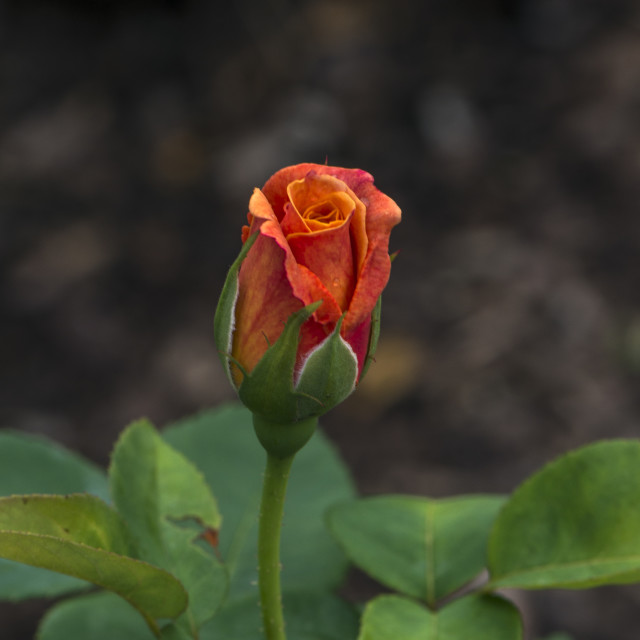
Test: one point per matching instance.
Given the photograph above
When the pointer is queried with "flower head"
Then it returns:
(314, 264)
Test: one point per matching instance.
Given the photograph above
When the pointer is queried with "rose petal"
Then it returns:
(329, 256)
(307, 286)
(292, 221)
(382, 215)
(260, 208)
(272, 285)
(275, 190)
(331, 212)
(372, 281)
(359, 342)
(313, 188)
(265, 301)
(295, 285)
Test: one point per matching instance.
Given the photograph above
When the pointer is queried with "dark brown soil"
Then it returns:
(132, 134)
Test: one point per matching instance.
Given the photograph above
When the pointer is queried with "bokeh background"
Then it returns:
(132, 134)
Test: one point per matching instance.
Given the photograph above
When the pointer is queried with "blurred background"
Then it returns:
(131, 137)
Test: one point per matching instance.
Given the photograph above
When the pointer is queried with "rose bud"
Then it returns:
(298, 319)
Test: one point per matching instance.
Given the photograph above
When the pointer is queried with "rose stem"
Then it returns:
(274, 491)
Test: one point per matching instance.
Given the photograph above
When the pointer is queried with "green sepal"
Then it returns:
(328, 375)
(326, 378)
(374, 335)
(268, 390)
(224, 319)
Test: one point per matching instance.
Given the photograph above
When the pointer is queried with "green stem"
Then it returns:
(281, 442)
(274, 491)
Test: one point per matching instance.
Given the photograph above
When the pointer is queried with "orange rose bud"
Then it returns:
(297, 321)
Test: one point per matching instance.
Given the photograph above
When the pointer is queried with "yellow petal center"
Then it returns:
(328, 213)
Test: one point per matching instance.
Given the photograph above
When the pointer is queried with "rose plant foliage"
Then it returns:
(171, 532)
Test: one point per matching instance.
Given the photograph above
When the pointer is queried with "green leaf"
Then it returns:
(179, 630)
(145, 469)
(223, 444)
(98, 616)
(103, 616)
(79, 535)
(308, 616)
(168, 506)
(573, 525)
(78, 518)
(32, 464)
(421, 547)
(478, 617)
